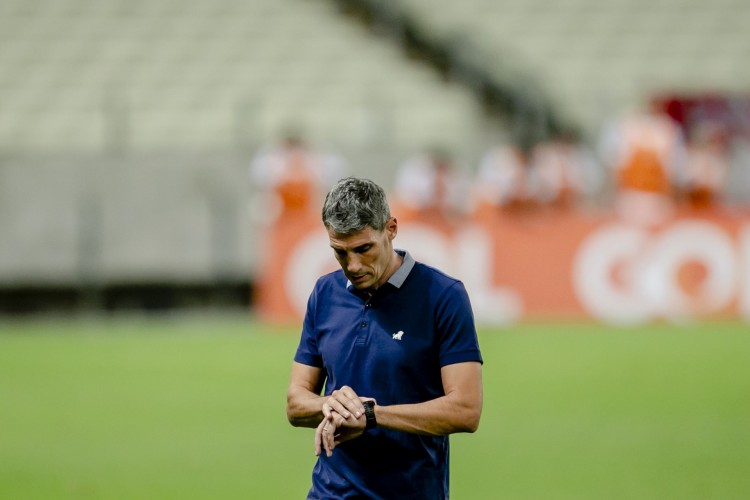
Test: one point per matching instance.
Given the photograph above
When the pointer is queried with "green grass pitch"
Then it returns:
(194, 408)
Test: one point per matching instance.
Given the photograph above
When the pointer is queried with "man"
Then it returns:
(394, 343)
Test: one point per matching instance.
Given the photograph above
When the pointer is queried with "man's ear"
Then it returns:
(392, 227)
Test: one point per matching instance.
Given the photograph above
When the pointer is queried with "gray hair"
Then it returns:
(352, 204)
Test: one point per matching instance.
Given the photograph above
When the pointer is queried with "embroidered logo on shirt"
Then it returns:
(397, 336)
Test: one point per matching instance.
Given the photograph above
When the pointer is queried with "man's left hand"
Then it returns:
(334, 429)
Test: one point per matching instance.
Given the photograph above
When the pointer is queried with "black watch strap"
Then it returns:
(370, 414)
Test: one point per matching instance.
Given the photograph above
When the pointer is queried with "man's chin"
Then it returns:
(361, 284)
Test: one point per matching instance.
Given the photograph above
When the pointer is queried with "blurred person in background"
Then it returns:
(289, 182)
(292, 177)
(707, 166)
(645, 152)
(431, 187)
(566, 171)
(392, 344)
(506, 178)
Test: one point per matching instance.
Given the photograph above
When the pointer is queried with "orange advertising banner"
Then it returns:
(544, 264)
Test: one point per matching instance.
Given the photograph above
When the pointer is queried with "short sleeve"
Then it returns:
(307, 351)
(455, 327)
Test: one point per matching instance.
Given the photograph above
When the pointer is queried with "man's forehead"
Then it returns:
(353, 240)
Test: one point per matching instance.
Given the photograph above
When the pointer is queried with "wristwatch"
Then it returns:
(370, 414)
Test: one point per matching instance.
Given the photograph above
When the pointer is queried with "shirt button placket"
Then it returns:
(368, 305)
(362, 336)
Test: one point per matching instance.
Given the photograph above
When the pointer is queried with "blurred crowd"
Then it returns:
(644, 166)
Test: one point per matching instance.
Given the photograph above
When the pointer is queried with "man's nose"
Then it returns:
(353, 264)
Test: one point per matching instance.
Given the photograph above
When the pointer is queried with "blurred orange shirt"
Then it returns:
(296, 185)
(646, 148)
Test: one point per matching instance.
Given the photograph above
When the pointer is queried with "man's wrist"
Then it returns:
(370, 415)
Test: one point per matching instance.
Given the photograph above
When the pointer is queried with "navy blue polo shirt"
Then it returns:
(389, 346)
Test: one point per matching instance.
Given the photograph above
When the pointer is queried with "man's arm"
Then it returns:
(458, 410)
(305, 407)
(303, 400)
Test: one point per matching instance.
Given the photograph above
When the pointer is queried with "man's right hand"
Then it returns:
(345, 402)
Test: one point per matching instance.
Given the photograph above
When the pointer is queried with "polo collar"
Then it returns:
(397, 279)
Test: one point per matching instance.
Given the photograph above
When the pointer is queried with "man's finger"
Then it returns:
(352, 401)
(328, 431)
(336, 405)
(329, 435)
(346, 406)
(338, 421)
(318, 437)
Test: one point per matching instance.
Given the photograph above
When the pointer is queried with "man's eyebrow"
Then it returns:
(358, 248)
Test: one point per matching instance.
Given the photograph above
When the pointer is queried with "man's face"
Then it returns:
(365, 256)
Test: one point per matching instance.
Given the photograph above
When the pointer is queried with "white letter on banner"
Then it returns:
(311, 258)
(594, 268)
(492, 305)
(683, 243)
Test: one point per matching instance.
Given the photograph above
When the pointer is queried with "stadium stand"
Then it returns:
(127, 126)
(594, 58)
(164, 75)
